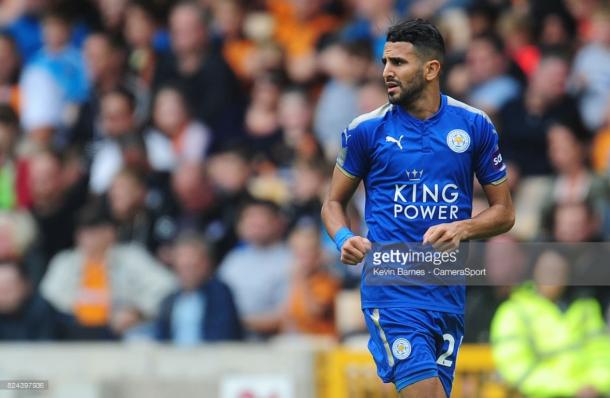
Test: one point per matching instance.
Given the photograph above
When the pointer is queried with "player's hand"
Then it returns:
(445, 237)
(354, 249)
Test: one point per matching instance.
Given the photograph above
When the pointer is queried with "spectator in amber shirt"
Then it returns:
(311, 304)
(102, 288)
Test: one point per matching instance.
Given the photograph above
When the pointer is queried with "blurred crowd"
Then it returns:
(163, 163)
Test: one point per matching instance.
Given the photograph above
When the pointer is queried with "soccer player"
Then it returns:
(417, 156)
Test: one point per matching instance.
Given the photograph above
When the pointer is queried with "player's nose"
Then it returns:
(388, 73)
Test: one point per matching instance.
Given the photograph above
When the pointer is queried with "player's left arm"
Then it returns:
(495, 220)
(491, 173)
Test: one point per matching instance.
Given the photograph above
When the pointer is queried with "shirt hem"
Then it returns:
(400, 304)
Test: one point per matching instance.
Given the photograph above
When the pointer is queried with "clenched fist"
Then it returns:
(354, 249)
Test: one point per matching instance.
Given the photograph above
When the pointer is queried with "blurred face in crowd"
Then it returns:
(192, 188)
(112, 12)
(127, 196)
(10, 60)
(582, 9)
(259, 225)
(98, 55)
(549, 79)
(565, 151)
(554, 31)
(600, 31)
(56, 33)
(484, 62)
(307, 182)
(338, 62)
(265, 92)
(333, 61)
(573, 223)
(117, 115)
(359, 66)
(8, 246)
(305, 245)
(294, 111)
(305, 9)
(504, 261)
(13, 289)
(95, 240)
(187, 30)
(371, 96)
(133, 150)
(45, 179)
(169, 114)
(403, 72)
(139, 29)
(479, 22)
(191, 263)
(228, 172)
(36, 6)
(371, 8)
(551, 275)
(228, 17)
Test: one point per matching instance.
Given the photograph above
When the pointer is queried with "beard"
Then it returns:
(409, 91)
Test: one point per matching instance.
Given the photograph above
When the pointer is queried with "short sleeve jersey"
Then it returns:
(419, 173)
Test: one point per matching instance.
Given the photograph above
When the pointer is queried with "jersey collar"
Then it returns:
(406, 116)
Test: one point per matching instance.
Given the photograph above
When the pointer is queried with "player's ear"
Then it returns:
(432, 69)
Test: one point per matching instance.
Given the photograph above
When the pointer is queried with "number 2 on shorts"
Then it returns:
(442, 360)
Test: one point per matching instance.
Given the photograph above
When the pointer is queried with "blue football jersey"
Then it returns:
(419, 173)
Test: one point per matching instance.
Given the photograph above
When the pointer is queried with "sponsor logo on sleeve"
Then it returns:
(497, 160)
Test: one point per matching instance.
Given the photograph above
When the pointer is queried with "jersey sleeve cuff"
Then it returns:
(497, 181)
(347, 173)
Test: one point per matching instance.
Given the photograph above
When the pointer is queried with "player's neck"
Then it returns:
(425, 106)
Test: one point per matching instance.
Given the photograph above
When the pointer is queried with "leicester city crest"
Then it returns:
(401, 348)
(458, 140)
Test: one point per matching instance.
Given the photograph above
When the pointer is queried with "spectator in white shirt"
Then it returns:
(177, 136)
(259, 271)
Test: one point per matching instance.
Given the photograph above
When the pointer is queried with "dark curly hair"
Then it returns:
(424, 36)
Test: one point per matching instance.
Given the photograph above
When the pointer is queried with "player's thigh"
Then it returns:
(429, 388)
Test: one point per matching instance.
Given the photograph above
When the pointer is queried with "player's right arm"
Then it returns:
(334, 215)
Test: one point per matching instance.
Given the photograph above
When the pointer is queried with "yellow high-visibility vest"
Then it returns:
(545, 352)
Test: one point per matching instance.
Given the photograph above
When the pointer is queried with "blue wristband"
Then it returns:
(341, 236)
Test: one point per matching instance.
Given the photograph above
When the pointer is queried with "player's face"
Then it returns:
(403, 72)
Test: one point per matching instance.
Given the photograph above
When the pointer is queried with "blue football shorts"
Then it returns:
(410, 345)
